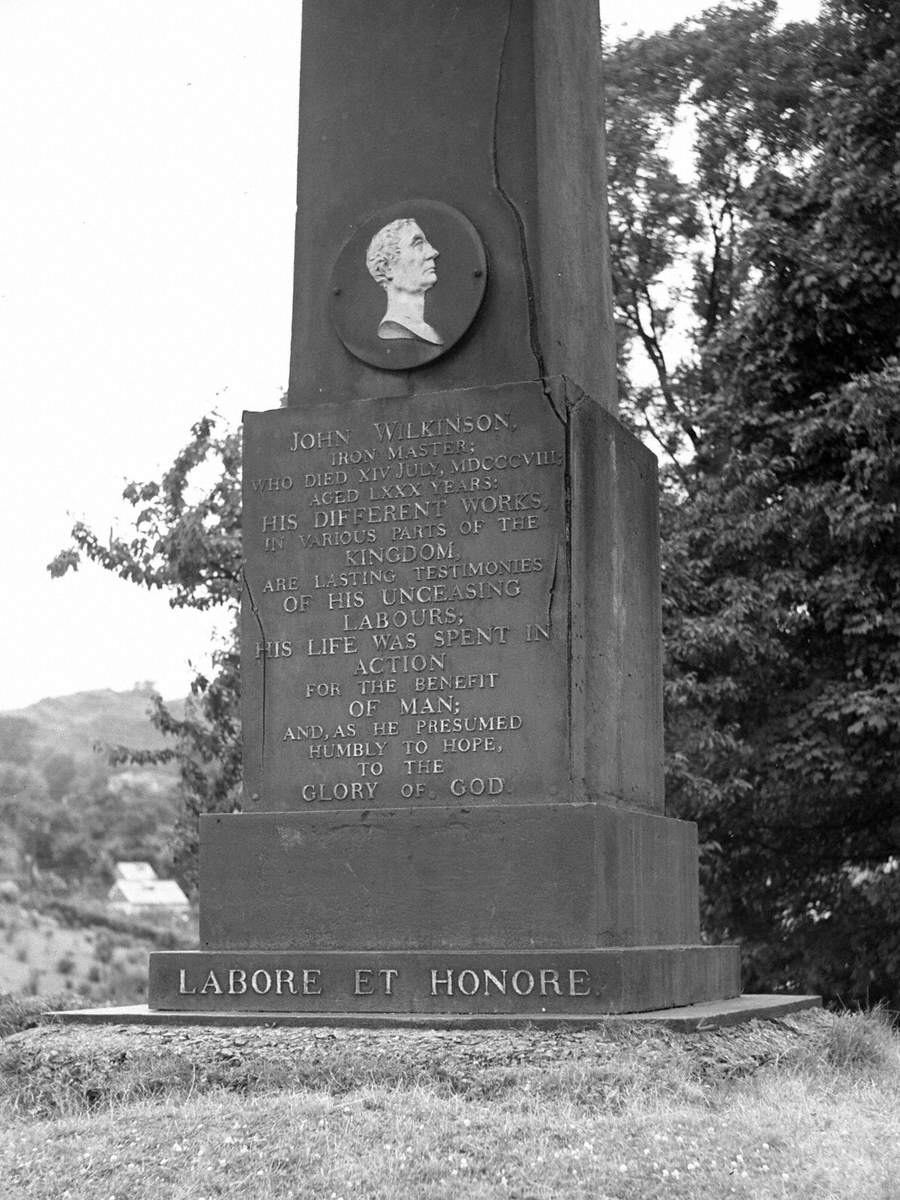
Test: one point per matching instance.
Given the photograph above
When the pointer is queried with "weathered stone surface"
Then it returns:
(513, 877)
(488, 554)
(405, 602)
(492, 106)
(577, 335)
(616, 642)
(526, 982)
(419, 578)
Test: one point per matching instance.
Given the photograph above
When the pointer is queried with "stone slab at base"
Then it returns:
(689, 1018)
(525, 983)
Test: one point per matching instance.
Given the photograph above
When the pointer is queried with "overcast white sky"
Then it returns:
(147, 174)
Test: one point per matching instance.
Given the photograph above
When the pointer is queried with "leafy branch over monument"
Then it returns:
(186, 540)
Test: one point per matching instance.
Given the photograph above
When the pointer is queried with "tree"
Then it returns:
(679, 259)
(186, 540)
(780, 514)
(823, 245)
(783, 635)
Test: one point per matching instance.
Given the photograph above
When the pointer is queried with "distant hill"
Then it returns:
(73, 724)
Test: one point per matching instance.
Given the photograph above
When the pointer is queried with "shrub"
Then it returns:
(18, 1012)
(862, 1041)
(103, 947)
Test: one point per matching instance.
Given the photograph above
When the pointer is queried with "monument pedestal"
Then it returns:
(526, 984)
(527, 910)
(452, 721)
(451, 660)
(515, 877)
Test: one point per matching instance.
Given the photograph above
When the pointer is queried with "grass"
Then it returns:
(802, 1108)
(857, 1041)
(81, 946)
(25, 1011)
(165, 931)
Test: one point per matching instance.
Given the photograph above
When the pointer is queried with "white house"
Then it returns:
(138, 886)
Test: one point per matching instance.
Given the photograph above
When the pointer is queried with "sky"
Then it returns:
(147, 179)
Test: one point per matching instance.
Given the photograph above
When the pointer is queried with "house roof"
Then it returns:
(147, 892)
(135, 870)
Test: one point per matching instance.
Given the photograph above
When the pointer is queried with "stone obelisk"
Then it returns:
(451, 620)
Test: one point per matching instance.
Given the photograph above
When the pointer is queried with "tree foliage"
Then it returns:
(780, 515)
(186, 540)
(75, 820)
(823, 243)
(782, 609)
(740, 89)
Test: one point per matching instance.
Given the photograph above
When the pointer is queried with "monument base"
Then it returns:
(514, 877)
(532, 910)
(531, 983)
(692, 1018)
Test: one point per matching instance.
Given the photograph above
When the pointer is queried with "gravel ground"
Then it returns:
(91, 1060)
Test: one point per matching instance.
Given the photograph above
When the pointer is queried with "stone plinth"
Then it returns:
(526, 984)
(452, 721)
(515, 877)
(451, 661)
(689, 1018)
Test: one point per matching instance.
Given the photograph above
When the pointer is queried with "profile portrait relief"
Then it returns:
(407, 283)
(401, 260)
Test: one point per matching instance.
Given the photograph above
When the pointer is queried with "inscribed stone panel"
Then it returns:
(405, 622)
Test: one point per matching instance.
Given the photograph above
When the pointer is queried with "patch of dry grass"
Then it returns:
(67, 1069)
(803, 1108)
(770, 1137)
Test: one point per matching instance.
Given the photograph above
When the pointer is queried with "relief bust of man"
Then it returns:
(402, 261)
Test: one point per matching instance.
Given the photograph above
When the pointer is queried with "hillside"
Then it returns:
(74, 724)
(64, 947)
(66, 812)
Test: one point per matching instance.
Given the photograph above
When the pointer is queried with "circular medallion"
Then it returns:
(407, 284)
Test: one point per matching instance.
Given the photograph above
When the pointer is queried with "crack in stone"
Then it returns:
(533, 334)
(564, 399)
(551, 386)
(552, 593)
(255, 610)
(567, 494)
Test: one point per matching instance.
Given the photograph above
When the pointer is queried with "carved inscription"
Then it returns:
(447, 982)
(405, 626)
